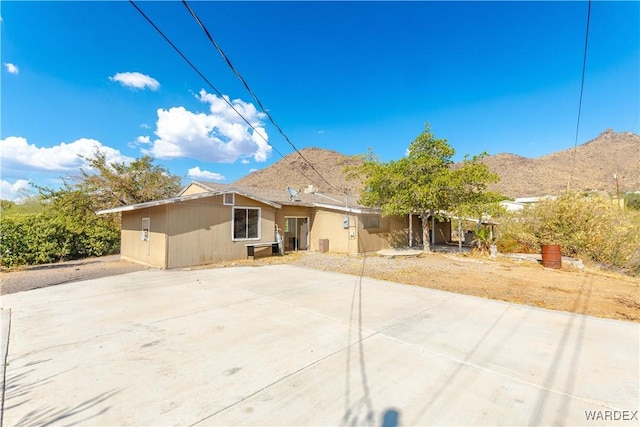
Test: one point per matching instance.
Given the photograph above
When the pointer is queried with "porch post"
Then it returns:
(410, 230)
(459, 235)
(433, 230)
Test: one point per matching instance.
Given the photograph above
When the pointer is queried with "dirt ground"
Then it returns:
(587, 291)
(41, 276)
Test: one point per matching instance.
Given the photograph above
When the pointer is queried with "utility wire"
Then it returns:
(246, 85)
(584, 66)
(216, 90)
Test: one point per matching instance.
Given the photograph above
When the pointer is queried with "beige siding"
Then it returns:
(391, 233)
(326, 224)
(442, 232)
(194, 188)
(151, 252)
(292, 211)
(200, 231)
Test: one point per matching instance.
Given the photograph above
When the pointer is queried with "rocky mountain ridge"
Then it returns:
(590, 166)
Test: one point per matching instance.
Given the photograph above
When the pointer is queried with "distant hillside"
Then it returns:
(293, 171)
(596, 162)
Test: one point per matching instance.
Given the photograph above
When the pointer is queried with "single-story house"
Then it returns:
(210, 222)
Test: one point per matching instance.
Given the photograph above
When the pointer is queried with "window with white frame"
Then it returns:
(229, 199)
(246, 223)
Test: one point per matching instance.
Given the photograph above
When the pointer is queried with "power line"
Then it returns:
(220, 93)
(246, 85)
(584, 66)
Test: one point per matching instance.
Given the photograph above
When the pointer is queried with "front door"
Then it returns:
(296, 234)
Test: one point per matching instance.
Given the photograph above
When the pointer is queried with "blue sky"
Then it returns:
(488, 76)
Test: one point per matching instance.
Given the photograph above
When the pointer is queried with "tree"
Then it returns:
(117, 183)
(68, 227)
(5, 205)
(469, 189)
(424, 181)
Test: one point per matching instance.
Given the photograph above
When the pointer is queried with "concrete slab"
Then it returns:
(400, 252)
(281, 345)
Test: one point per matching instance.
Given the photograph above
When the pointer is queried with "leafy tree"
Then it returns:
(425, 182)
(118, 184)
(5, 205)
(66, 227)
(470, 196)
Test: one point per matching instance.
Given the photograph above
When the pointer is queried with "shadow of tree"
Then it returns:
(18, 390)
(579, 307)
(45, 416)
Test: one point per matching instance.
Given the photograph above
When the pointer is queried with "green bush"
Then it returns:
(591, 227)
(45, 238)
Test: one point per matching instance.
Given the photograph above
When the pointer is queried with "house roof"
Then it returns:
(271, 197)
(282, 197)
(179, 199)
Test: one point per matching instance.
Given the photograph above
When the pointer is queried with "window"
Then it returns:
(146, 225)
(229, 199)
(246, 223)
(370, 221)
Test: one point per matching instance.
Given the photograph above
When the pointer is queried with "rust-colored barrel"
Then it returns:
(551, 256)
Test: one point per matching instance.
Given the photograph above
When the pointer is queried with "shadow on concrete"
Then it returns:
(360, 411)
(18, 389)
(390, 418)
(577, 313)
(87, 409)
(443, 387)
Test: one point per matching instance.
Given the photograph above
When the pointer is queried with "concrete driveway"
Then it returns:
(282, 345)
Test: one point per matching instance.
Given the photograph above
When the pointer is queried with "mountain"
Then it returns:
(595, 164)
(293, 171)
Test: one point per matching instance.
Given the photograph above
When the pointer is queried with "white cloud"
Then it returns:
(136, 80)
(16, 152)
(245, 161)
(253, 170)
(219, 136)
(197, 173)
(11, 68)
(143, 140)
(9, 191)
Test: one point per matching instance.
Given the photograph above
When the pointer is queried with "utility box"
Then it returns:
(323, 245)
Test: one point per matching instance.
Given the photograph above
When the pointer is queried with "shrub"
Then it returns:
(587, 226)
(44, 238)
(632, 201)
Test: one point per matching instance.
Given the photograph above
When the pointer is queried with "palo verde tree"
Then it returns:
(424, 182)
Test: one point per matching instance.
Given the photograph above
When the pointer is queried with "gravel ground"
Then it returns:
(40, 276)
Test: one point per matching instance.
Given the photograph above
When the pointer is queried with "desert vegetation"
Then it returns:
(59, 225)
(590, 226)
